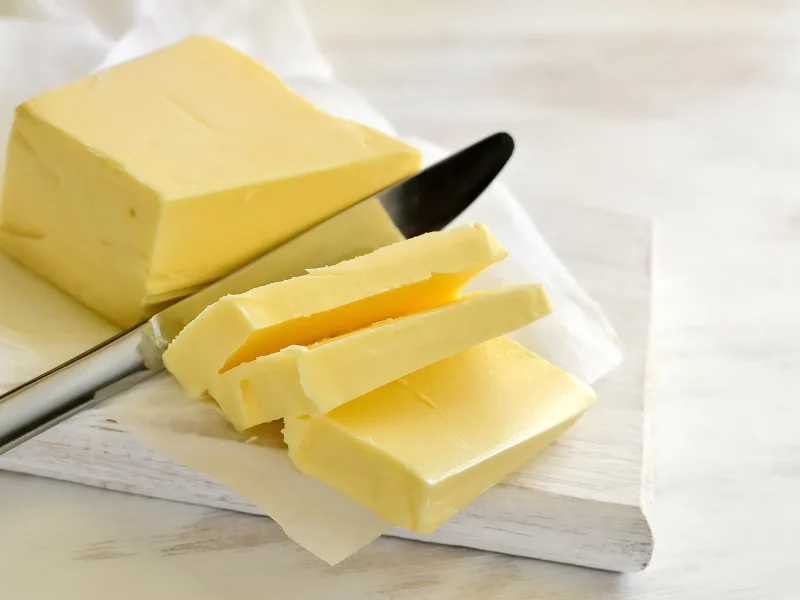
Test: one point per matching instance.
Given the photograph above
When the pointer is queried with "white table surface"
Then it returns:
(686, 112)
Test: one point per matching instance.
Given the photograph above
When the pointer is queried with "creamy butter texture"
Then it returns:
(421, 448)
(315, 379)
(140, 183)
(391, 282)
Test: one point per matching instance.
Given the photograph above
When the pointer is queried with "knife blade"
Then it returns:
(424, 202)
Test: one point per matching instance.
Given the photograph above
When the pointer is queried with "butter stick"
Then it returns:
(316, 379)
(421, 448)
(395, 281)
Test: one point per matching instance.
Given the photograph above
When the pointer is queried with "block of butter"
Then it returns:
(423, 447)
(395, 281)
(140, 183)
(315, 379)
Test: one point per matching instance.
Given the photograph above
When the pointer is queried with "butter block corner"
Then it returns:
(133, 186)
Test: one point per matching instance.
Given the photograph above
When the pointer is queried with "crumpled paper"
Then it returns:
(45, 43)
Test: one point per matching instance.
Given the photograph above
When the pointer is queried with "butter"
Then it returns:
(139, 184)
(301, 380)
(358, 230)
(392, 282)
(423, 447)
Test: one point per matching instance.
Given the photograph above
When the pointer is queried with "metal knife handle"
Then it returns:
(105, 370)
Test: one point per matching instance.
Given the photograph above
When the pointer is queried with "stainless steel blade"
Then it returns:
(424, 202)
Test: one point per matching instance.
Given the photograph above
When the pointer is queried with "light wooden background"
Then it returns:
(688, 112)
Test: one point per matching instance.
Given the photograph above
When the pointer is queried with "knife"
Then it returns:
(424, 202)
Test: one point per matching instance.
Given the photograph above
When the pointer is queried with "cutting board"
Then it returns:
(583, 502)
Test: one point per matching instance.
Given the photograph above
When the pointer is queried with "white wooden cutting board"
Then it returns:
(583, 502)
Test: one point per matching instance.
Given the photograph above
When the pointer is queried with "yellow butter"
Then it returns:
(421, 448)
(358, 230)
(398, 280)
(301, 380)
(140, 183)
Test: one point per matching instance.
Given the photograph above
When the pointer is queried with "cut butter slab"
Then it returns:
(423, 447)
(394, 281)
(315, 379)
(140, 183)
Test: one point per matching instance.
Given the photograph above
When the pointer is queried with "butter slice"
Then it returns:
(301, 380)
(421, 448)
(395, 281)
(140, 183)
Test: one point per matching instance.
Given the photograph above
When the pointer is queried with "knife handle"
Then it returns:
(54, 396)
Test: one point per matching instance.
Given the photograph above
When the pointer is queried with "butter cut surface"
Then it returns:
(421, 448)
(401, 279)
(140, 183)
(316, 379)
